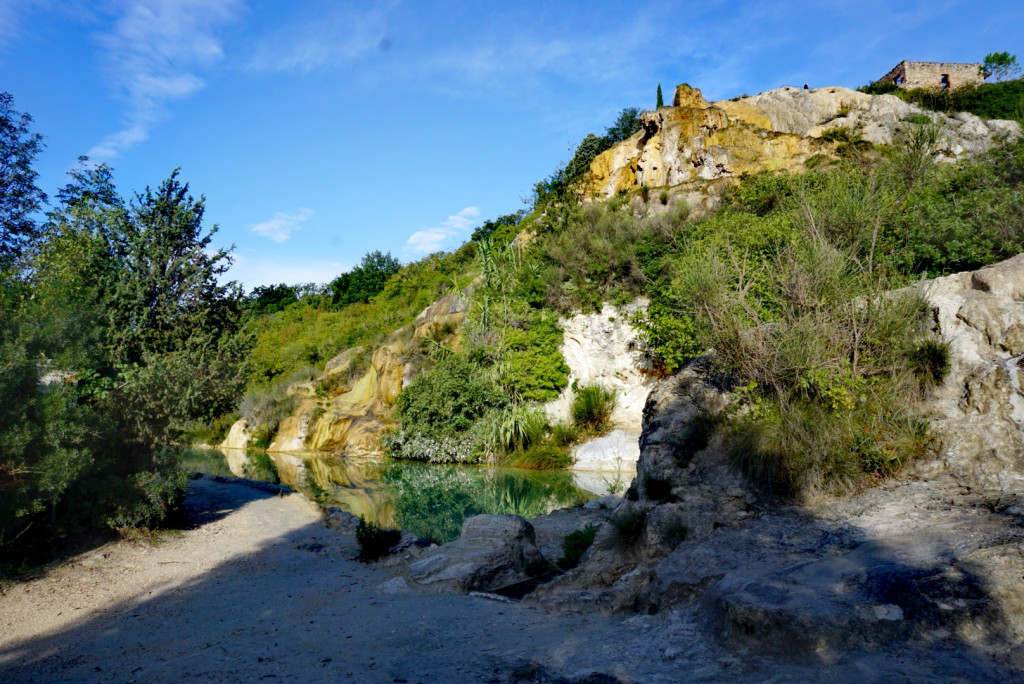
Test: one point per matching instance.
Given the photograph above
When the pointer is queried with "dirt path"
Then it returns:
(262, 590)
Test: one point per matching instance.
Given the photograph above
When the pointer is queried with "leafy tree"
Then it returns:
(268, 299)
(1001, 66)
(502, 229)
(588, 149)
(625, 125)
(166, 289)
(661, 99)
(365, 280)
(19, 195)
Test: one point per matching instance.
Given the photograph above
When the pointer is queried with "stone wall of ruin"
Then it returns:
(929, 74)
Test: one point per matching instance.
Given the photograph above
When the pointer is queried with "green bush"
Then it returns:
(150, 499)
(375, 542)
(574, 545)
(629, 522)
(448, 399)
(592, 407)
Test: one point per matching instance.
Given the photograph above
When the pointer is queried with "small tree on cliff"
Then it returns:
(661, 99)
(1001, 66)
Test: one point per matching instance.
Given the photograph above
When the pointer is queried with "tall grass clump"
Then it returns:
(592, 407)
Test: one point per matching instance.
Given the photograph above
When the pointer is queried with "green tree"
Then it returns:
(625, 125)
(661, 99)
(364, 281)
(1001, 66)
(19, 195)
(171, 324)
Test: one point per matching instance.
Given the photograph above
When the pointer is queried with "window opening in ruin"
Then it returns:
(944, 82)
(898, 80)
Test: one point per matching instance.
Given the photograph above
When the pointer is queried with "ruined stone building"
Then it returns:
(933, 74)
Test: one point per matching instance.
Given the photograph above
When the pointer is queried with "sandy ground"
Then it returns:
(260, 589)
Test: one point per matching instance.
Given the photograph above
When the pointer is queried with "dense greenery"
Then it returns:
(365, 281)
(1002, 100)
(116, 336)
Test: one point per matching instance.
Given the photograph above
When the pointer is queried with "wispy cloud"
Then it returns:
(433, 239)
(334, 36)
(155, 52)
(253, 271)
(280, 228)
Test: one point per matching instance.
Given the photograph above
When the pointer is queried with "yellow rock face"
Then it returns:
(352, 422)
(697, 142)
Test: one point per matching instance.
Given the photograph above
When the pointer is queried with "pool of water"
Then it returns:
(430, 500)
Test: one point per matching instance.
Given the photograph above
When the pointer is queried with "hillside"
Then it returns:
(895, 188)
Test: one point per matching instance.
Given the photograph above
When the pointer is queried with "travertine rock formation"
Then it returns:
(697, 146)
(929, 561)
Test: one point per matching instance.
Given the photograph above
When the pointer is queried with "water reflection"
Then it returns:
(427, 499)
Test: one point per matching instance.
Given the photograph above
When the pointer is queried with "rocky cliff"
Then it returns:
(699, 148)
(932, 560)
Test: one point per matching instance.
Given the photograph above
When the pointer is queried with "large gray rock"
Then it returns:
(494, 551)
(809, 113)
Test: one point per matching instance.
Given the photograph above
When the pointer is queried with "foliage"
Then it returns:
(576, 543)
(268, 299)
(448, 399)
(365, 281)
(592, 407)
(988, 100)
(629, 523)
(20, 198)
(1001, 66)
(374, 542)
(117, 337)
(659, 100)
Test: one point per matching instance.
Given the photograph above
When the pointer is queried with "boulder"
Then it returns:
(494, 551)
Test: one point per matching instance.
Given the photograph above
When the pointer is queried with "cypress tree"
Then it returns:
(661, 100)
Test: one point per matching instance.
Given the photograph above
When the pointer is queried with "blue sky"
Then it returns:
(319, 131)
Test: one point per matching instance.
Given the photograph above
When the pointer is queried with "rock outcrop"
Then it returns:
(494, 551)
(700, 147)
(350, 417)
(932, 560)
(600, 348)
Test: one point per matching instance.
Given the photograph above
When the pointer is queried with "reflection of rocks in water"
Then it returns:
(237, 460)
(429, 500)
(603, 483)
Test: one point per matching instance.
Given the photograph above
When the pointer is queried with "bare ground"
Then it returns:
(259, 589)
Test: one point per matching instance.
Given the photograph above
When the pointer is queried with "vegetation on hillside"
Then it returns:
(118, 336)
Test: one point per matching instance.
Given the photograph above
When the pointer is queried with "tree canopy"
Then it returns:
(20, 197)
(1000, 66)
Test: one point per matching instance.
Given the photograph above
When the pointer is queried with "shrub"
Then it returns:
(374, 541)
(540, 456)
(448, 399)
(418, 446)
(629, 523)
(574, 545)
(592, 407)
(515, 429)
(150, 499)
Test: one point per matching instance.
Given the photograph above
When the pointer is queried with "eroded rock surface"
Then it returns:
(931, 561)
(695, 146)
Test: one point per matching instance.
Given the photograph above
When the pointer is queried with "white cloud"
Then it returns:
(432, 239)
(153, 54)
(280, 228)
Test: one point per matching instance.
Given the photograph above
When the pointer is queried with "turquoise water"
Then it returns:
(430, 500)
